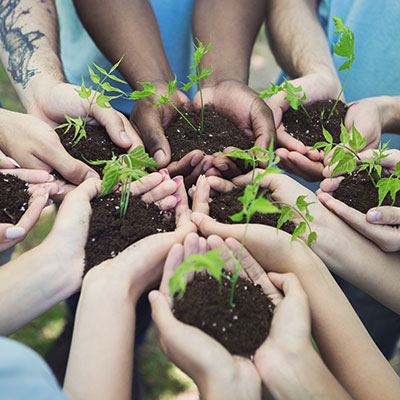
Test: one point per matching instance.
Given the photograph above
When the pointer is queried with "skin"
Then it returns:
(380, 225)
(41, 186)
(221, 375)
(29, 53)
(232, 29)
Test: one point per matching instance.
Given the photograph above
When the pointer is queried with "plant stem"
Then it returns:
(297, 211)
(341, 91)
(202, 105)
(176, 108)
(304, 109)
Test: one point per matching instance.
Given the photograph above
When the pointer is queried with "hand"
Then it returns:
(39, 190)
(33, 144)
(242, 105)
(54, 99)
(213, 368)
(294, 155)
(151, 120)
(149, 253)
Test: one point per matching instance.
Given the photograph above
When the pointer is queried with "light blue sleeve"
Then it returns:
(25, 375)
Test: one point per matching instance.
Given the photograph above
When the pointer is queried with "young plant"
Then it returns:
(94, 96)
(127, 168)
(150, 90)
(344, 48)
(291, 92)
(199, 74)
(252, 203)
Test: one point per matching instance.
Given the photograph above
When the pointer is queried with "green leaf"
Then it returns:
(319, 145)
(337, 156)
(140, 159)
(303, 205)
(115, 78)
(383, 186)
(398, 169)
(300, 229)
(237, 217)
(269, 92)
(137, 94)
(171, 87)
(95, 78)
(116, 65)
(345, 45)
(205, 73)
(328, 148)
(357, 142)
(199, 52)
(290, 89)
(262, 205)
(344, 135)
(102, 70)
(327, 135)
(106, 86)
(286, 215)
(346, 164)
(111, 174)
(187, 86)
(311, 237)
(83, 92)
(102, 99)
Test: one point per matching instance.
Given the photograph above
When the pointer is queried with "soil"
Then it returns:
(109, 234)
(97, 145)
(358, 191)
(226, 204)
(219, 133)
(298, 125)
(14, 198)
(241, 329)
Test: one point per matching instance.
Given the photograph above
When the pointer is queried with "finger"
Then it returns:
(164, 189)
(173, 260)
(205, 164)
(284, 162)
(289, 142)
(191, 245)
(10, 235)
(384, 215)
(227, 167)
(306, 168)
(182, 206)
(201, 195)
(30, 175)
(186, 164)
(146, 184)
(278, 105)
(288, 283)
(329, 185)
(168, 203)
(5, 162)
(152, 133)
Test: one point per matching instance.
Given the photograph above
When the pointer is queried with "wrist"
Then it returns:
(389, 111)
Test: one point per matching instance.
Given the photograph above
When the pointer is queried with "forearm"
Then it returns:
(389, 110)
(232, 27)
(308, 376)
(31, 285)
(101, 357)
(136, 36)
(29, 45)
(297, 39)
(359, 261)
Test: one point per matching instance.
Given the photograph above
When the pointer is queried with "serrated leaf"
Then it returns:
(115, 78)
(237, 217)
(286, 215)
(328, 148)
(102, 99)
(338, 155)
(102, 70)
(171, 87)
(162, 100)
(327, 135)
(205, 73)
(140, 159)
(398, 169)
(345, 45)
(291, 89)
(116, 65)
(383, 186)
(269, 92)
(106, 86)
(293, 100)
(344, 135)
(262, 205)
(300, 229)
(357, 142)
(95, 78)
(318, 145)
(187, 86)
(346, 164)
(137, 94)
(111, 174)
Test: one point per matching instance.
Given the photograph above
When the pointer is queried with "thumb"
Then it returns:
(384, 215)
(161, 312)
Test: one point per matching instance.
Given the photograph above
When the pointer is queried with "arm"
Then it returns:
(232, 27)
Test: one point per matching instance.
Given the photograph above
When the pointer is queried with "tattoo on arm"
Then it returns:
(20, 46)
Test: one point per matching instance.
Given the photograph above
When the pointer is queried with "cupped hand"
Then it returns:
(242, 106)
(151, 122)
(294, 155)
(217, 373)
(33, 144)
(41, 186)
(52, 100)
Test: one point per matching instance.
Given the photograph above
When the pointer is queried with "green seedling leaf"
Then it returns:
(262, 205)
(357, 142)
(398, 169)
(115, 78)
(140, 159)
(269, 92)
(383, 186)
(95, 78)
(205, 73)
(237, 217)
(300, 230)
(311, 237)
(346, 164)
(286, 215)
(111, 174)
(328, 148)
(327, 135)
(84, 93)
(337, 156)
(171, 87)
(102, 99)
(294, 100)
(116, 65)
(319, 145)
(303, 205)
(199, 52)
(345, 45)
(106, 86)
(102, 70)
(344, 135)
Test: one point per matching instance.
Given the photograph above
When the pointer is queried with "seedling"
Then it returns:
(92, 96)
(347, 160)
(291, 92)
(127, 168)
(344, 48)
(200, 74)
(252, 203)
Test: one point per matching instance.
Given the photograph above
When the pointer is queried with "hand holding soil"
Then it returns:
(24, 195)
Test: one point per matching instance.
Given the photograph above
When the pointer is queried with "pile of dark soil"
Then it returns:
(219, 133)
(298, 125)
(226, 204)
(109, 235)
(241, 329)
(14, 198)
(358, 191)
(97, 145)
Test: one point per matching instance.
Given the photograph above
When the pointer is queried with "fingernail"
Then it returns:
(91, 174)
(207, 165)
(153, 296)
(223, 167)
(124, 138)
(12, 161)
(177, 196)
(51, 179)
(159, 156)
(164, 173)
(177, 180)
(60, 190)
(15, 232)
(196, 159)
(197, 218)
(374, 216)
